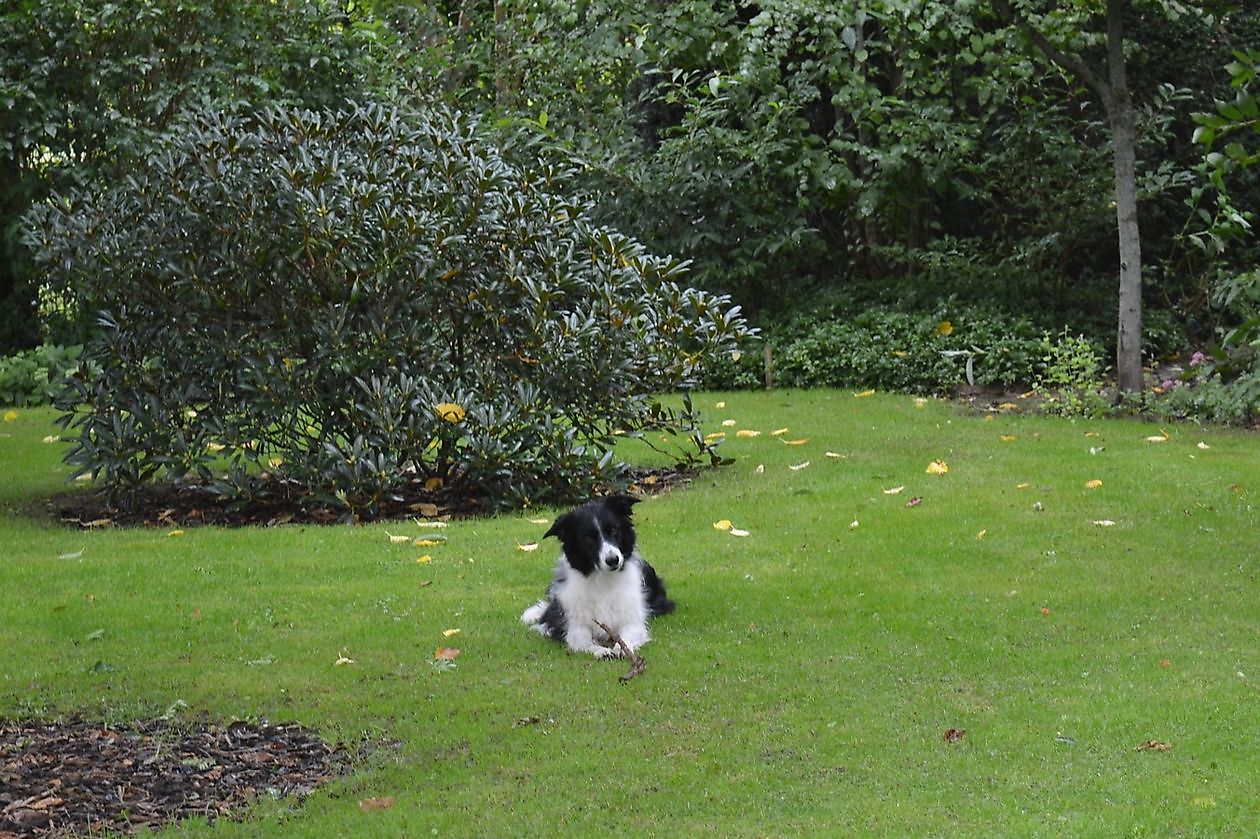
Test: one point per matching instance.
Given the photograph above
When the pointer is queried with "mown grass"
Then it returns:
(805, 685)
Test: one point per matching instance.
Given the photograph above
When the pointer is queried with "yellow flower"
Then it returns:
(450, 411)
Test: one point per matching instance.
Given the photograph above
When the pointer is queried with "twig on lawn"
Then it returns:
(637, 664)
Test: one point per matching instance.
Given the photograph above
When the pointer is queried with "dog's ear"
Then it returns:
(621, 504)
(559, 526)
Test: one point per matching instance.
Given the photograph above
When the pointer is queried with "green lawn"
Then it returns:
(805, 685)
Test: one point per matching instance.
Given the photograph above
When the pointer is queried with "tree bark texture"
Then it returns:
(1124, 140)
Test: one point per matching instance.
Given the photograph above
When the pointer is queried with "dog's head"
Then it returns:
(598, 536)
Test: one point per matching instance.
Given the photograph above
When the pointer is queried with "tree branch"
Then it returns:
(1074, 64)
(637, 664)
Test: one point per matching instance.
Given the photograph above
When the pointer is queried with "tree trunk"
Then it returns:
(1117, 100)
(1124, 140)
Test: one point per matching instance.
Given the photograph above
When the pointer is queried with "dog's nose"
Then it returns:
(613, 562)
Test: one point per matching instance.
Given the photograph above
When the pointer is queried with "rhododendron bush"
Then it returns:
(342, 302)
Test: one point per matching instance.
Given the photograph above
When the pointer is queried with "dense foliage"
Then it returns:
(86, 84)
(35, 377)
(359, 299)
(811, 158)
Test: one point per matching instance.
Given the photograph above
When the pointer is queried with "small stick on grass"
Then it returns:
(637, 664)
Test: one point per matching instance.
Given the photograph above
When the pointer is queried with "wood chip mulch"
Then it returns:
(77, 776)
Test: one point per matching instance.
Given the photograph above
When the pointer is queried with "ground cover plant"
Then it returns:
(894, 617)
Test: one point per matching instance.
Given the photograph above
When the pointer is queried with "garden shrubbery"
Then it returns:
(35, 377)
(357, 300)
(935, 352)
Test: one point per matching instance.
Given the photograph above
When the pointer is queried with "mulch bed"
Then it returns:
(77, 776)
(189, 504)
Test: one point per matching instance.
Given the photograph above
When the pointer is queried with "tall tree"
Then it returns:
(1110, 85)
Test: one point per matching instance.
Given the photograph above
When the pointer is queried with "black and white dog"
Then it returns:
(600, 577)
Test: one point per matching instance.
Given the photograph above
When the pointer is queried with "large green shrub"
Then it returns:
(359, 300)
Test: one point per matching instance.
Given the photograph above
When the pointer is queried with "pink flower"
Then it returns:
(1197, 359)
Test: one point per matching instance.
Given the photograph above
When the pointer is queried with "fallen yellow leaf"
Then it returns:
(937, 467)
(1008, 406)
(176, 533)
(447, 633)
(433, 483)
(747, 432)
(342, 661)
(446, 654)
(730, 423)
(894, 490)
(715, 437)
(424, 560)
(397, 540)
(53, 438)
(1105, 523)
(853, 525)
(369, 805)
(1094, 484)
(920, 402)
(722, 524)
(864, 394)
(719, 405)
(1007, 438)
(527, 547)
(735, 531)
(981, 534)
(778, 432)
(429, 543)
(799, 442)
(1161, 437)
(10, 416)
(834, 455)
(945, 328)
(799, 466)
